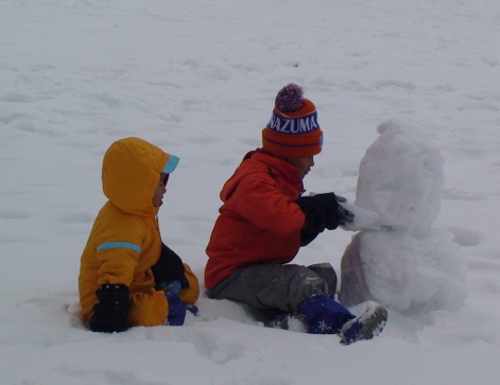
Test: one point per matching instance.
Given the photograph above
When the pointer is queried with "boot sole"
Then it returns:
(372, 327)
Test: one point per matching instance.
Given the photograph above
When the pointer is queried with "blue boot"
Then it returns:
(325, 315)
(366, 326)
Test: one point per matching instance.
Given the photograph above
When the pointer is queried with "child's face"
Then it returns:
(161, 189)
(303, 164)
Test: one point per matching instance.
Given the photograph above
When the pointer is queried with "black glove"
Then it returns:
(322, 211)
(336, 214)
(315, 219)
(169, 268)
(345, 216)
(110, 314)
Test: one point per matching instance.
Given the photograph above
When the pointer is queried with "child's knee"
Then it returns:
(305, 284)
(150, 312)
(327, 272)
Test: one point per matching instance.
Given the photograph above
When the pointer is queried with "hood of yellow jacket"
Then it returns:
(130, 175)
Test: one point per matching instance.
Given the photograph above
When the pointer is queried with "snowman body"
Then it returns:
(408, 265)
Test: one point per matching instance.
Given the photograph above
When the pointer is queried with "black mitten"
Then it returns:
(322, 211)
(169, 268)
(345, 216)
(315, 219)
(331, 206)
(335, 214)
(110, 314)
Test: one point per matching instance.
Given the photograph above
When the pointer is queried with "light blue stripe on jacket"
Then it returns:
(117, 245)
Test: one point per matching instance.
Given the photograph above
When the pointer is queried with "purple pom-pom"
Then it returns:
(289, 98)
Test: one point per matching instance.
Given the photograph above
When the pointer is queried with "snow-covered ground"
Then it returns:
(198, 78)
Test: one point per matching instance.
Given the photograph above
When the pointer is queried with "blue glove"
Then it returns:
(173, 286)
(176, 310)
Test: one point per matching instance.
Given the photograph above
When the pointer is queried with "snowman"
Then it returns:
(398, 258)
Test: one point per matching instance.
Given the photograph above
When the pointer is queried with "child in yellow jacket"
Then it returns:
(128, 277)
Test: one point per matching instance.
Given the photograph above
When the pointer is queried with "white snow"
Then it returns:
(199, 78)
(407, 265)
(401, 178)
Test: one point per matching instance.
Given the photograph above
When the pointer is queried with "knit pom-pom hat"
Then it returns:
(293, 131)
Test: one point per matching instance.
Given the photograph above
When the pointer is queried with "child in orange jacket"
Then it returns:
(264, 221)
(128, 277)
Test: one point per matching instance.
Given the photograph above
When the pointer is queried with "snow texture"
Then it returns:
(408, 265)
(199, 79)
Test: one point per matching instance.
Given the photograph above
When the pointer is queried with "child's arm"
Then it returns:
(259, 201)
(322, 211)
(169, 269)
(117, 264)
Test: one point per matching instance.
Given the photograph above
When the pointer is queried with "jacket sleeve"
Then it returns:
(119, 253)
(261, 202)
(118, 261)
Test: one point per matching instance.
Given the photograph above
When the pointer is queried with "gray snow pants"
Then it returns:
(276, 287)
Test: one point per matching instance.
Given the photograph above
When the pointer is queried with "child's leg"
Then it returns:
(326, 271)
(277, 287)
(147, 310)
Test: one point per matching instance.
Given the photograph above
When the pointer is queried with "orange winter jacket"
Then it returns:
(125, 240)
(258, 221)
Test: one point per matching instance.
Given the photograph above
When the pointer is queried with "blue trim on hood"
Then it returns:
(171, 164)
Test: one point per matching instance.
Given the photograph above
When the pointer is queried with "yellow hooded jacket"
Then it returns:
(125, 240)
